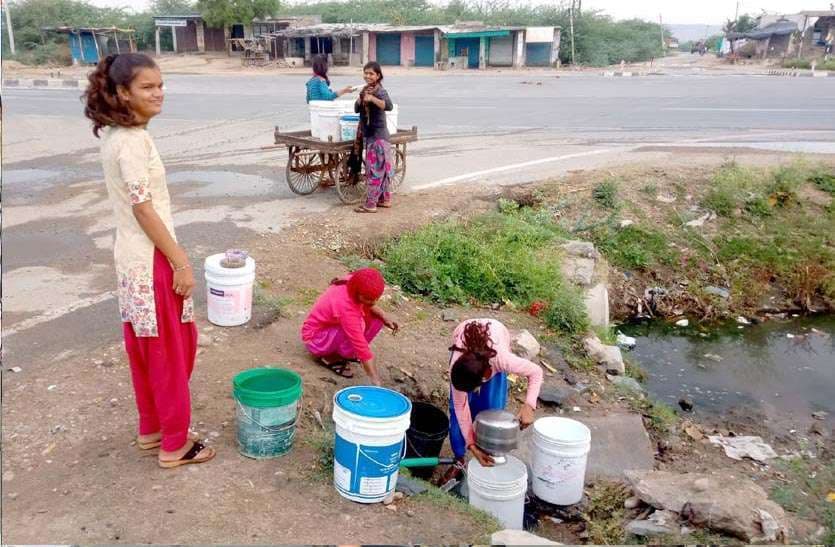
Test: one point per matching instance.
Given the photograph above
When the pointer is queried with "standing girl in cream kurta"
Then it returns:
(154, 276)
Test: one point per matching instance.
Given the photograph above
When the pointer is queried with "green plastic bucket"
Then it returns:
(266, 401)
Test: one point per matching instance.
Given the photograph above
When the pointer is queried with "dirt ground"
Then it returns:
(71, 472)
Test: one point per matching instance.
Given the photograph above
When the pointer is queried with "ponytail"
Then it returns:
(102, 103)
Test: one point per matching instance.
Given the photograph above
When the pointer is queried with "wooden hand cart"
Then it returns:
(312, 163)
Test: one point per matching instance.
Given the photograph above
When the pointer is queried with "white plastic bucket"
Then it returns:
(559, 451)
(329, 128)
(391, 119)
(370, 441)
(317, 108)
(499, 490)
(348, 126)
(228, 291)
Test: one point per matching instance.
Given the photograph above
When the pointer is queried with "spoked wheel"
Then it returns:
(399, 168)
(350, 187)
(305, 171)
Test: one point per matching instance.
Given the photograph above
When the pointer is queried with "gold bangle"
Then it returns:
(183, 267)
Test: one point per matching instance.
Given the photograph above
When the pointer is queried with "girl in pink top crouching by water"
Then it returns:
(343, 322)
(480, 361)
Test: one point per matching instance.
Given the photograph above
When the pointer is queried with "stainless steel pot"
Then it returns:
(496, 432)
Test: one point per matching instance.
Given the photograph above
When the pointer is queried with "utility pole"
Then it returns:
(571, 18)
(663, 42)
(9, 26)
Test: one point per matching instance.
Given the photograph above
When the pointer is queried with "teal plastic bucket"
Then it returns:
(266, 401)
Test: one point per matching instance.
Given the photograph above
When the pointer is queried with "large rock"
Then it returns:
(578, 270)
(627, 384)
(609, 357)
(596, 300)
(660, 523)
(525, 345)
(581, 249)
(721, 502)
(519, 537)
(556, 391)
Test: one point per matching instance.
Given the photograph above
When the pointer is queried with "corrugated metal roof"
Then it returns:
(780, 28)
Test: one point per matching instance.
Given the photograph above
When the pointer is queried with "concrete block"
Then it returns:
(596, 300)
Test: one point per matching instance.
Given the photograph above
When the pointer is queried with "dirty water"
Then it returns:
(226, 183)
(782, 371)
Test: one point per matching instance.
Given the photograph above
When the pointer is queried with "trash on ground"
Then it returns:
(741, 447)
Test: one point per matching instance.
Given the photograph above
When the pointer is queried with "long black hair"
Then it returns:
(102, 103)
(320, 67)
(470, 368)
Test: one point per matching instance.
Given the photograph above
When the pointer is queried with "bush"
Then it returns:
(730, 189)
(797, 63)
(606, 194)
(495, 258)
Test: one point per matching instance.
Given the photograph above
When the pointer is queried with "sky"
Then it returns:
(708, 12)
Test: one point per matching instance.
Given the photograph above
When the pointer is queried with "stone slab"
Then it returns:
(596, 300)
(619, 442)
(519, 537)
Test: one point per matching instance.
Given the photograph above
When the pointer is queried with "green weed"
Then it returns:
(322, 444)
(809, 482)
(508, 257)
(633, 247)
(604, 517)
(271, 303)
(606, 194)
(824, 181)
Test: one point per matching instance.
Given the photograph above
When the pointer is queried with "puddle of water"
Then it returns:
(784, 370)
(224, 183)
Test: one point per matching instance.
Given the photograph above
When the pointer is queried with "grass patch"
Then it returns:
(663, 419)
(268, 301)
(307, 296)
(604, 517)
(634, 247)
(606, 194)
(322, 443)
(808, 483)
(508, 257)
(439, 499)
(824, 181)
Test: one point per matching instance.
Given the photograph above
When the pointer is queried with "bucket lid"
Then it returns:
(562, 430)
(513, 471)
(350, 117)
(373, 402)
(212, 264)
(267, 387)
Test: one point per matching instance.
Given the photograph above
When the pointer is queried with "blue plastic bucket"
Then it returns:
(348, 126)
(371, 424)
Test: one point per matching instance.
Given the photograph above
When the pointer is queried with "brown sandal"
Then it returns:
(364, 209)
(384, 204)
(190, 456)
(340, 367)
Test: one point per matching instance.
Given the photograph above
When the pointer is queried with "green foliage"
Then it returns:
(634, 247)
(218, 13)
(730, 188)
(494, 258)
(805, 490)
(605, 514)
(797, 63)
(606, 194)
(824, 181)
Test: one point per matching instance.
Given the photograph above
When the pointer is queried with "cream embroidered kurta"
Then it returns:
(134, 173)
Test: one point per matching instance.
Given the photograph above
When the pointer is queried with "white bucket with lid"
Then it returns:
(369, 441)
(499, 490)
(316, 108)
(228, 291)
(559, 452)
(329, 128)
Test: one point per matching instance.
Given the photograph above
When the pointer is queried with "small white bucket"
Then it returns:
(348, 126)
(559, 451)
(499, 490)
(228, 291)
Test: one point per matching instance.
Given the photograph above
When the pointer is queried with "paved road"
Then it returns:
(501, 128)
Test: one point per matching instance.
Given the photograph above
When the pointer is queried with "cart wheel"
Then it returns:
(399, 169)
(305, 171)
(351, 188)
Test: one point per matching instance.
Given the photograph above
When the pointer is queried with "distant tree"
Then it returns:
(218, 13)
(172, 7)
(744, 23)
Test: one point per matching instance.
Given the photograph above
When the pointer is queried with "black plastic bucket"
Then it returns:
(425, 436)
